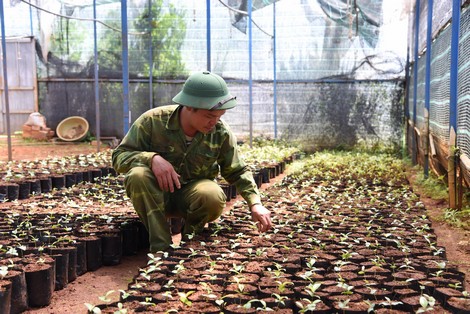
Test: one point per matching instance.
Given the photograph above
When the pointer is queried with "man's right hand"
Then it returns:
(166, 175)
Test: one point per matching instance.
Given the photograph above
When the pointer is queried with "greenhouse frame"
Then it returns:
(329, 79)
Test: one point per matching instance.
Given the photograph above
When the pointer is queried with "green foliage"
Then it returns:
(167, 29)
(67, 38)
(354, 166)
(432, 186)
(458, 218)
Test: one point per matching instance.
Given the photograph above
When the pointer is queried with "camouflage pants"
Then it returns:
(198, 202)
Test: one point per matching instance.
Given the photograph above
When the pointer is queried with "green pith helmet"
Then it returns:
(205, 90)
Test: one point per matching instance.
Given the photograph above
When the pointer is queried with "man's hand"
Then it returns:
(262, 217)
(166, 175)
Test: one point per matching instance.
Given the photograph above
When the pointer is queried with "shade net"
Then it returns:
(439, 98)
(315, 41)
(463, 117)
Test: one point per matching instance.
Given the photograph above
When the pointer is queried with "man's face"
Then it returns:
(204, 120)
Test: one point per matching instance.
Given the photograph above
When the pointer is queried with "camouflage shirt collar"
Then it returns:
(174, 121)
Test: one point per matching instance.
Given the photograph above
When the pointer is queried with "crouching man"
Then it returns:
(172, 155)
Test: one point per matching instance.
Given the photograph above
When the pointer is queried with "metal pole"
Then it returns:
(208, 34)
(427, 92)
(250, 79)
(454, 69)
(274, 70)
(97, 86)
(407, 99)
(415, 82)
(31, 20)
(454, 64)
(125, 68)
(5, 80)
(150, 57)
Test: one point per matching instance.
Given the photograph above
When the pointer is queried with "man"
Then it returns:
(172, 154)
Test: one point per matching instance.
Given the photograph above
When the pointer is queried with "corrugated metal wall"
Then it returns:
(22, 82)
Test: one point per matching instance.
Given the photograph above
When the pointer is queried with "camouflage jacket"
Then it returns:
(158, 131)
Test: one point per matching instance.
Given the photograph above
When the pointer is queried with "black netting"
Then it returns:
(411, 92)
(331, 55)
(314, 39)
(463, 129)
(420, 91)
(440, 90)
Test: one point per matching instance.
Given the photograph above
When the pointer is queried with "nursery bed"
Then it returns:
(116, 277)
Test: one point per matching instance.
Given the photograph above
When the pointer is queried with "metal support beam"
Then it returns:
(125, 68)
(97, 86)
(150, 56)
(250, 71)
(208, 34)
(454, 70)
(5, 80)
(274, 70)
(427, 91)
(415, 80)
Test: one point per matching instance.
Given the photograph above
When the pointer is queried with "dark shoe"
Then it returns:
(176, 225)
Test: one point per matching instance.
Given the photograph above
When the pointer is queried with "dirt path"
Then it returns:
(88, 287)
(29, 150)
(456, 241)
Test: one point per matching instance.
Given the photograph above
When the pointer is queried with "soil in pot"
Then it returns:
(70, 180)
(244, 288)
(94, 256)
(46, 184)
(19, 297)
(81, 265)
(184, 286)
(78, 177)
(96, 175)
(237, 309)
(35, 186)
(201, 307)
(155, 276)
(389, 311)
(276, 303)
(275, 310)
(12, 191)
(244, 278)
(412, 304)
(459, 304)
(111, 248)
(86, 175)
(404, 293)
(24, 189)
(61, 270)
(130, 238)
(312, 306)
(58, 182)
(351, 307)
(237, 298)
(5, 296)
(147, 287)
(206, 296)
(71, 253)
(40, 283)
(3, 189)
(281, 290)
(442, 294)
